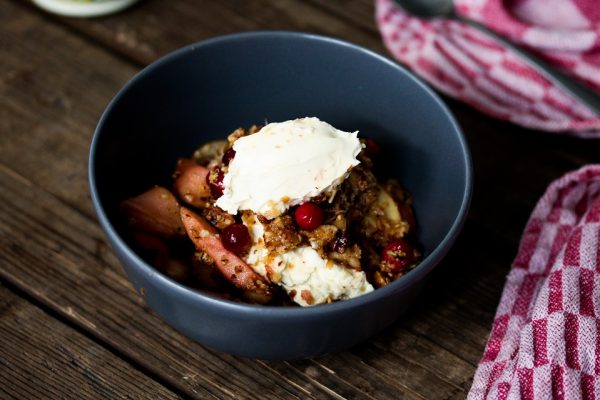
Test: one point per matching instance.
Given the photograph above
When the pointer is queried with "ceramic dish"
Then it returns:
(204, 91)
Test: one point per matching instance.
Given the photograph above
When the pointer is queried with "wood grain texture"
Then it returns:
(152, 29)
(57, 75)
(41, 357)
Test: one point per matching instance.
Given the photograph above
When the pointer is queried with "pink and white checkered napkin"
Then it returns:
(468, 65)
(545, 339)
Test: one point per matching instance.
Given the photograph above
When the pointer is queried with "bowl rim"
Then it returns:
(318, 311)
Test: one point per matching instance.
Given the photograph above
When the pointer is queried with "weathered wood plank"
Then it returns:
(360, 13)
(151, 29)
(51, 100)
(43, 358)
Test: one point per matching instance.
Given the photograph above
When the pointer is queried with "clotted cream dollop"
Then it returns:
(285, 164)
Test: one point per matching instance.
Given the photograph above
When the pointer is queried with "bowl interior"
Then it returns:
(205, 91)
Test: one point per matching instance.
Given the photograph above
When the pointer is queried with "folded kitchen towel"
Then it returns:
(472, 67)
(545, 339)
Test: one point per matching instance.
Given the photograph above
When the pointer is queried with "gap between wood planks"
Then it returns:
(72, 28)
(355, 12)
(141, 51)
(100, 379)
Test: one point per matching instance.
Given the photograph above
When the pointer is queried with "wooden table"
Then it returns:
(71, 326)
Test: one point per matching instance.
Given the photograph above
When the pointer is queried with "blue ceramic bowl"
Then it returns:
(206, 90)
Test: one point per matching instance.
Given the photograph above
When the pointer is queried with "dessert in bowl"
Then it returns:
(197, 95)
(293, 205)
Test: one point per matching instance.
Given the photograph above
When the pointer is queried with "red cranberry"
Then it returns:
(309, 216)
(372, 148)
(214, 179)
(398, 255)
(236, 238)
(228, 156)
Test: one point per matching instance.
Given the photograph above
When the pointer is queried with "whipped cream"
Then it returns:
(308, 278)
(285, 164)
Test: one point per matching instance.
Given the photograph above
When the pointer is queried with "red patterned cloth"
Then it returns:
(468, 65)
(545, 340)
